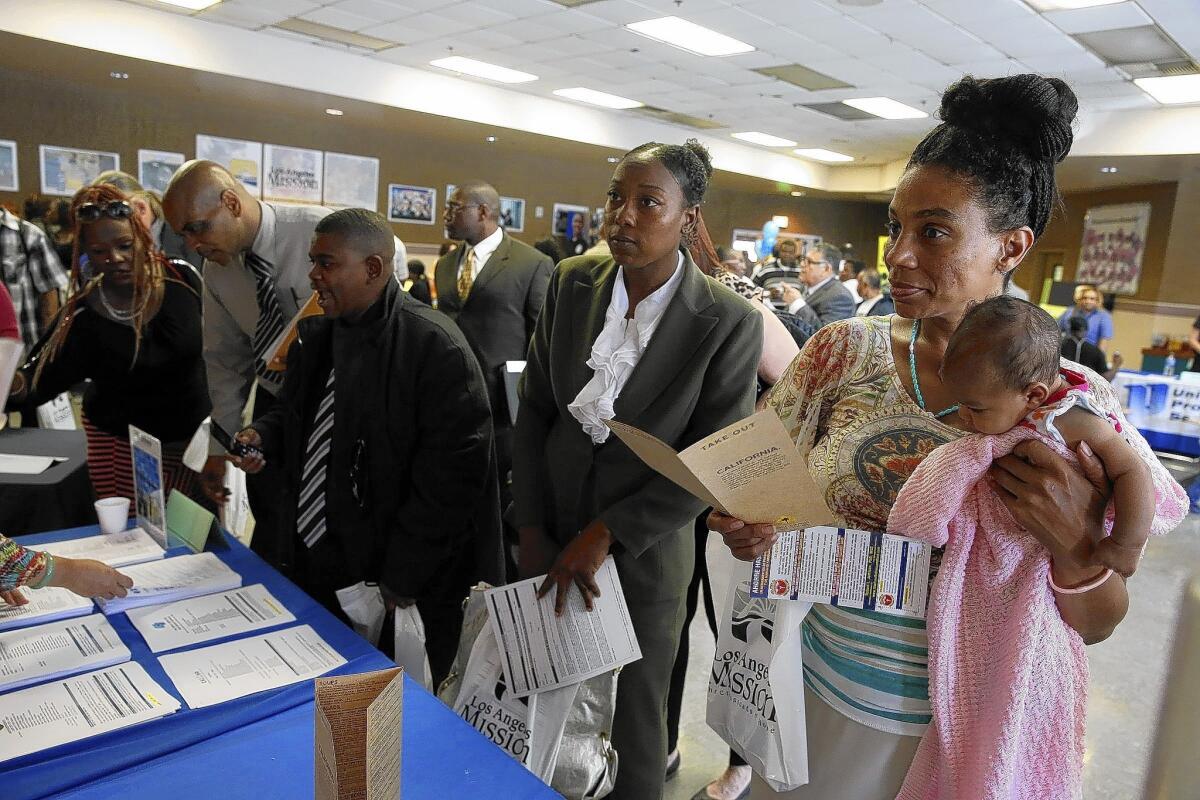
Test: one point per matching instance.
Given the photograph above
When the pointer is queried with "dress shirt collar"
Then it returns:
(865, 306)
(813, 289)
(264, 240)
(485, 248)
(9, 220)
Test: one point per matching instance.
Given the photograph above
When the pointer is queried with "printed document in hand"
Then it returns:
(750, 469)
(58, 649)
(543, 651)
(133, 546)
(172, 579)
(848, 568)
(45, 605)
(213, 616)
(235, 669)
(44, 716)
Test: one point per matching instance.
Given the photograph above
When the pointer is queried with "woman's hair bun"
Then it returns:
(1032, 113)
(701, 152)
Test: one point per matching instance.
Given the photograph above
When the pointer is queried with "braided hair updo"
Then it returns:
(1005, 135)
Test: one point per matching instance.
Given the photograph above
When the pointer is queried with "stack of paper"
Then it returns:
(58, 649)
(173, 579)
(45, 716)
(133, 546)
(45, 605)
(215, 616)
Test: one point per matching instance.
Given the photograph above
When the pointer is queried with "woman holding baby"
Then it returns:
(866, 402)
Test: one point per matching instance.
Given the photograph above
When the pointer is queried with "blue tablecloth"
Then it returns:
(261, 746)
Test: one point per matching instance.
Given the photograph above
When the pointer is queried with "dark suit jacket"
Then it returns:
(884, 307)
(698, 375)
(831, 302)
(501, 310)
(412, 492)
(420, 290)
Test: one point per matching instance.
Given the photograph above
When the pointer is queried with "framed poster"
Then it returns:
(416, 204)
(292, 174)
(563, 222)
(66, 170)
(1114, 241)
(156, 167)
(351, 181)
(8, 166)
(512, 214)
(146, 453)
(242, 158)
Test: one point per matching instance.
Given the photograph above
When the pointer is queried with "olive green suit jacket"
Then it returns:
(697, 375)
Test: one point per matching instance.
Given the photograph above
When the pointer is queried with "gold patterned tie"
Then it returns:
(466, 276)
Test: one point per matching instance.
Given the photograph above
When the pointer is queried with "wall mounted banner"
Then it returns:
(292, 174)
(1114, 241)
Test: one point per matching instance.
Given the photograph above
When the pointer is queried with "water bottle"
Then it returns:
(1169, 365)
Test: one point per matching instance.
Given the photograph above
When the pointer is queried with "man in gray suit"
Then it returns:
(827, 300)
(493, 287)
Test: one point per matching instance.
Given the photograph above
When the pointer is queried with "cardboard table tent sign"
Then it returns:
(358, 727)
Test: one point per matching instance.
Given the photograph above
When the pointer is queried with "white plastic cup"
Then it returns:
(113, 513)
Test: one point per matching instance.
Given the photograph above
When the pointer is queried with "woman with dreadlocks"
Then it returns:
(131, 325)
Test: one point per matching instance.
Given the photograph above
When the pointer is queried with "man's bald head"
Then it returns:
(211, 209)
(472, 211)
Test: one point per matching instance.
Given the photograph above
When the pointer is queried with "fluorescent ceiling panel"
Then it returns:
(802, 76)
(194, 5)
(1131, 45)
(841, 111)
(885, 107)
(679, 118)
(1063, 5)
(332, 34)
(765, 139)
(689, 36)
(603, 99)
(482, 69)
(1101, 18)
(1173, 89)
(821, 154)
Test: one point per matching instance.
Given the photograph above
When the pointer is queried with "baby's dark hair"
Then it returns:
(689, 163)
(1015, 340)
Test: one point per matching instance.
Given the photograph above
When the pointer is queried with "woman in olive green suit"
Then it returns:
(641, 336)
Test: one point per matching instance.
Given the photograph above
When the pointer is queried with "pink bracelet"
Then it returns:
(1083, 587)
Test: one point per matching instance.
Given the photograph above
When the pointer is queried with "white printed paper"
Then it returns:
(543, 651)
(848, 568)
(12, 464)
(44, 716)
(45, 605)
(213, 616)
(58, 649)
(133, 546)
(242, 667)
(171, 579)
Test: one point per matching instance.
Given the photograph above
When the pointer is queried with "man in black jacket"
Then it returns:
(385, 436)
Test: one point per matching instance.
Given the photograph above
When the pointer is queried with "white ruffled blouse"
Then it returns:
(618, 349)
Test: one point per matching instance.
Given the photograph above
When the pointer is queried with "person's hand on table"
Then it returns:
(392, 601)
(14, 597)
(536, 553)
(788, 293)
(745, 540)
(577, 564)
(252, 463)
(88, 578)
(212, 479)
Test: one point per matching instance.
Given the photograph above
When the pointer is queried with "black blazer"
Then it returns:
(501, 310)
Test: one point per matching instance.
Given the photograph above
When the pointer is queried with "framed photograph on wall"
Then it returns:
(8, 166)
(66, 170)
(512, 214)
(292, 174)
(155, 168)
(563, 222)
(416, 204)
(351, 181)
(242, 158)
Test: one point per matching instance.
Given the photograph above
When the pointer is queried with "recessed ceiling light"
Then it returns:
(1066, 5)
(595, 98)
(482, 69)
(690, 36)
(765, 139)
(334, 112)
(821, 154)
(194, 5)
(885, 107)
(612, 159)
(121, 76)
(781, 220)
(1172, 89)
(797, 194)
(1108, 170)
(490, 139)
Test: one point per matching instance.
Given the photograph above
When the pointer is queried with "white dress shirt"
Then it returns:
(483, 251)
(618, 349)
(852, 285)
(865, 306)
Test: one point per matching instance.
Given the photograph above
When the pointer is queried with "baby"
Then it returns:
(1002, 365)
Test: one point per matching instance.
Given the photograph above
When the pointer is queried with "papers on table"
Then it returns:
(173, 579)
(214, 616)
(133, 546)
(235, 669)
(12, 464)
(44, 716)
(848, 568)
(45, 605)
(58, 649)
(543, 651)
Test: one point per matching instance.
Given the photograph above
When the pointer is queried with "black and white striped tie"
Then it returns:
(310, 508)
(270, 318)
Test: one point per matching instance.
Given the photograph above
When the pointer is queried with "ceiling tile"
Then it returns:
(339, 19)
(416, 28)
(242, 17)
(1100, 18)
(291, 8)
(374, 9)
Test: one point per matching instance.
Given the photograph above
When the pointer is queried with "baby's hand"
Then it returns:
(1120, 558)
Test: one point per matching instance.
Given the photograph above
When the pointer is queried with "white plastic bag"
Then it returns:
(756, 686)
(410, 645)
(363, 604)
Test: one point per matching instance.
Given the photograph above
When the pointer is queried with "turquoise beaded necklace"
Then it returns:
(912, 368)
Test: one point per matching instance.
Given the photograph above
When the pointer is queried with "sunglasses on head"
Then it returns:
(116, 209)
